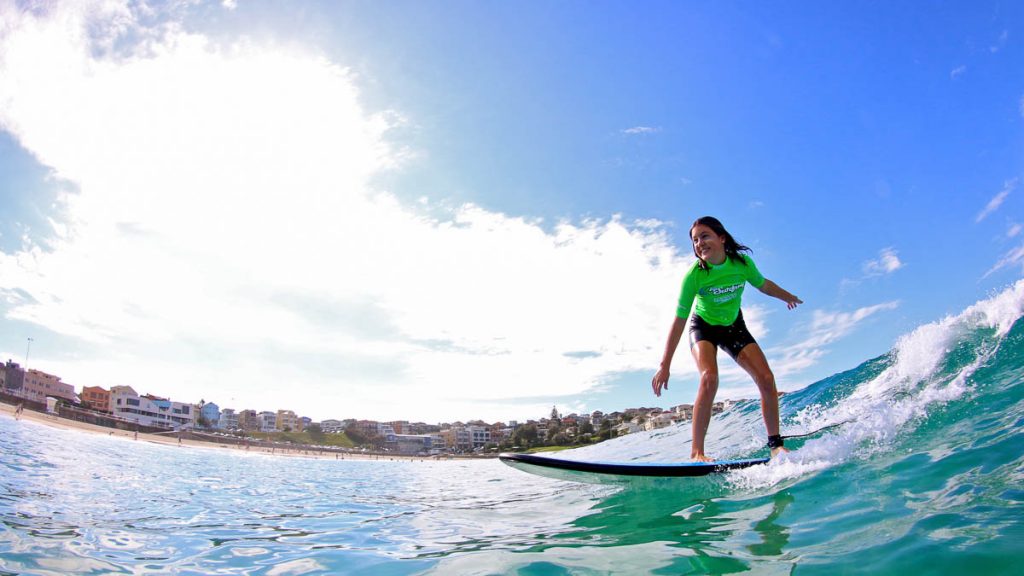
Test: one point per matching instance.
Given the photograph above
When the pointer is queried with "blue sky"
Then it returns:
(454, 210)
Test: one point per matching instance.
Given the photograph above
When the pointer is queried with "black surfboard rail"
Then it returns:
(646, 469)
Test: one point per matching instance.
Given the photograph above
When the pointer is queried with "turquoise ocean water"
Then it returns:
(927, 477)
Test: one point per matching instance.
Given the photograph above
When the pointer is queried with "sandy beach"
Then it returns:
(8, 411)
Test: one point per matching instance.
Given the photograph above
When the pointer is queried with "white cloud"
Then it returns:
(957, 72)
(789, 361)
(826, 328)
(886, 263)
(1000, 42)
(641, 130)
(1014, 257)
(1013, 230)
(225, 242)
(230, 4)
(996, 200)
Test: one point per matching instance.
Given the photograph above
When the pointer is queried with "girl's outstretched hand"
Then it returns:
(660, 381)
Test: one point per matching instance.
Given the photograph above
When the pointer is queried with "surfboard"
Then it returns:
(584, 471)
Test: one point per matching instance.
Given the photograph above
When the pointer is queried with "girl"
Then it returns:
(716, 281)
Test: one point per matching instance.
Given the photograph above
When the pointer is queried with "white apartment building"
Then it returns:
(268, 422)
(657, 421)
(684, 411)
(389, 436)
(332, 426)
(411, 444)
(479, 436)
(627, 428)
(125, 403)
(228, 419)
(437, 444)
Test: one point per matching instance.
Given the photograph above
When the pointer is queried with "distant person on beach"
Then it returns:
(716, 281)
(19, 410)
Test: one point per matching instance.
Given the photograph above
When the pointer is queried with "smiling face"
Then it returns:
(707, 245)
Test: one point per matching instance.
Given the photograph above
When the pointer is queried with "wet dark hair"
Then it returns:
(732, 247)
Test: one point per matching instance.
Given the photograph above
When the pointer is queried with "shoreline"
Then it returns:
(54, 421)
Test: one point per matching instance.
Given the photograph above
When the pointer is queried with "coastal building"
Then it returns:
(368, 428)
(684, 412)
(149, 410)
(462, 438)
(210, 414)
(96, 398)
(500, 432)
(660, 420)
(423, 428)
(480, 436)
(456, 439)
(414, 444)
(13, 377)
(38, 385)
(628, 427)
(268, 422)
(332, 426)
(437, 445)
(228, 419)
(249, 421)
(287, 421)
(400, 427)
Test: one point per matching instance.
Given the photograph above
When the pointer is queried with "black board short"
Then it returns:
(731, 338)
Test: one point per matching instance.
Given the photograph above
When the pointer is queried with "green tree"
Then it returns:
(377, 441)
(201, 421)
(316, 433)
(357, 437)
(554, 429)
(525, 436)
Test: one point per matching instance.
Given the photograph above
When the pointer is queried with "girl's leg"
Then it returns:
(752, 359)
(706, 356)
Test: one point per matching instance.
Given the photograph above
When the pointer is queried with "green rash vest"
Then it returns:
(718, 290)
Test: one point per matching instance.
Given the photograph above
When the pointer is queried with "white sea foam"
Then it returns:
(879, 410)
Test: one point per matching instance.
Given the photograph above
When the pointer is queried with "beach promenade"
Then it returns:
(9, 411)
